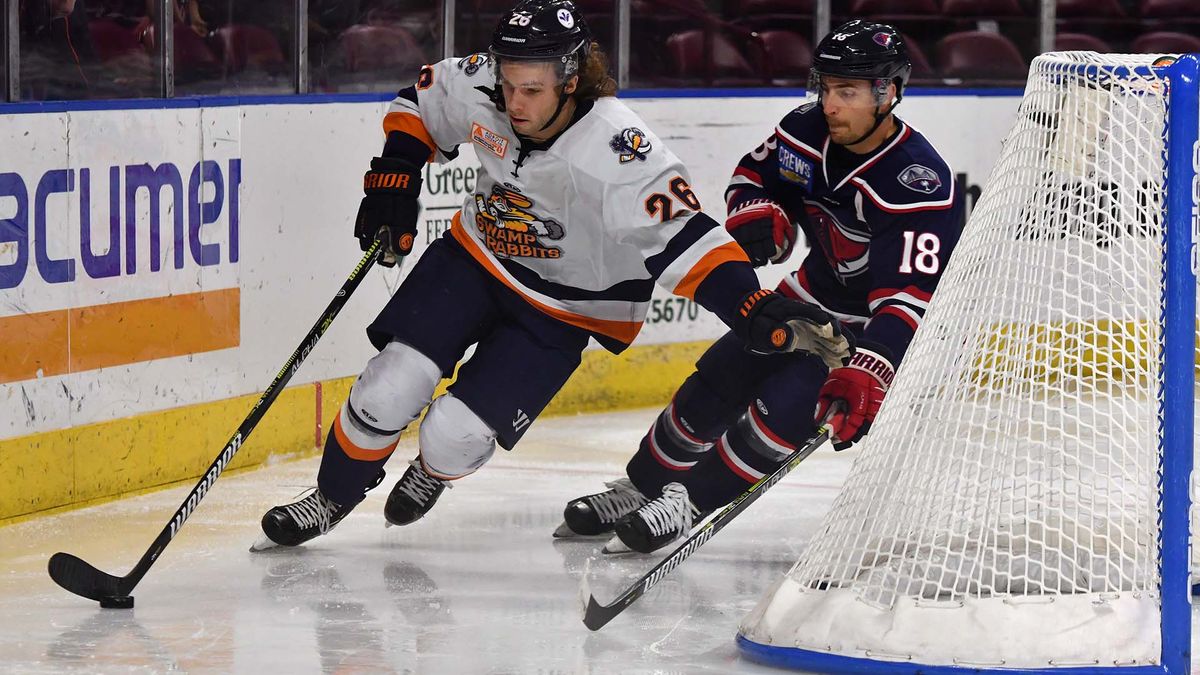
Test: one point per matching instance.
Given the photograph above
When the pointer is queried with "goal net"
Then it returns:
(1021, 501)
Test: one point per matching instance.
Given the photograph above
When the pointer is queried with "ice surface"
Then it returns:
(478, 586)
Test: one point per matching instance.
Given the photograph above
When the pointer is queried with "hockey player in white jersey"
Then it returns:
(578, 211)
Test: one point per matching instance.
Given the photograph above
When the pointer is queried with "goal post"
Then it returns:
(1022, 502)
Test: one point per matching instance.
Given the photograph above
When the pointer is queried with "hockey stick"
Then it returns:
(597, 615)
(81, 578)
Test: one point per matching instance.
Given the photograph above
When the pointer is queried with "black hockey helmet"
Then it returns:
(543, 30)
(863, 50)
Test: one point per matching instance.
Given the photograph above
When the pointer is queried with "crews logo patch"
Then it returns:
(511, 229)
(471, 64)
(631, 144)
(845, 248)
(486, 138)
(920, 179)
(794, 167)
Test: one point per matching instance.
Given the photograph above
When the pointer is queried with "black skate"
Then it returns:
(413, 495)
(597, 514)
(295, 523)
(656, 524)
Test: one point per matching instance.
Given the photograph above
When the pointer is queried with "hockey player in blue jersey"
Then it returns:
(578, 211)
(878, 208)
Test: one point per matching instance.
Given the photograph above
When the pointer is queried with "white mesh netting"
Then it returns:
(1011, 476)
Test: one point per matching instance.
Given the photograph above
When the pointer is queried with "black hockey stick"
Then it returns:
(597, 615)
(81, 578)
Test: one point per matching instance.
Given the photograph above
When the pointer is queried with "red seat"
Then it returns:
(787, 56)
(921, 68)
(1160, 9)
(245, 46)
(988, 8)
(1090, 9)
(1068, 42)
(874, 8)
(742, 7)
(711, 58)
(112, 40)
(977, 54)
(1165, 42)
(384, 47)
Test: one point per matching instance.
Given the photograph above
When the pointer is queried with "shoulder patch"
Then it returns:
(471, 64)
(806, 107)
(632, 143)
(920, 179)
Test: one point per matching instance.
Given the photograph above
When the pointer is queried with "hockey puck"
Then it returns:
(117, 602)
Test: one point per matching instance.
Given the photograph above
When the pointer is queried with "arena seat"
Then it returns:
(921, 68)
(787, 57)
(366, 48)
(983, 8)
(1165, 9)
(1090, 9)
(112, 40)
(714, 59)
(879, 8)
(245, 46)
(1165, 42)
(1064, 42)
(977, 54)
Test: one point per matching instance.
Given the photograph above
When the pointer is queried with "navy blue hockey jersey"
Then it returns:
(879, 236)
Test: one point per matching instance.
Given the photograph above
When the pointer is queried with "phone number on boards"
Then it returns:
(666, 310)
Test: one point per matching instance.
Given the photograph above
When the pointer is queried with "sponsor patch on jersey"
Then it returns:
(566, 19)
(794, 167)
(920, 179)
(471, 64)
(494, 142)
(631, 144)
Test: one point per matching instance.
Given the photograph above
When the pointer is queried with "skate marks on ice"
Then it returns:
(477, 586)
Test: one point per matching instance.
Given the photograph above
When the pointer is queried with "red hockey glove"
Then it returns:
(763, 230)
(390, 208)
(770, 323)
(861, 385)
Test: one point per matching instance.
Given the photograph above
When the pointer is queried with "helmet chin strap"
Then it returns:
(562, 101)
(879, 118)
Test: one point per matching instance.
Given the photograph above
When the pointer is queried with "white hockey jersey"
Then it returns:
(582, 229)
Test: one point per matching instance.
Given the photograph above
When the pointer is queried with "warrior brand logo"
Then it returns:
(471, 64)
(1195, 207)
(920, 178)
(511, 229)
(845, 248)
(202, 489)
(492, 141)
(630, 144)
(520, 421)
(677, 557)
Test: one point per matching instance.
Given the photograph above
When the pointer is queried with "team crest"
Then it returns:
(471, 64)
(882, 39)
(845, 248)
(566, 18)
(920, 179)
(631, 144)
(510, 227)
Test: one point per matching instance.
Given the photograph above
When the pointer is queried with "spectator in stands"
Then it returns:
(57, 58)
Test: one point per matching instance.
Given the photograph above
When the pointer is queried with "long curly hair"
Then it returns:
(594, 78)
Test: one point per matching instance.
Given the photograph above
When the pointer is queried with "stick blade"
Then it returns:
(80, 578)
(597, 615)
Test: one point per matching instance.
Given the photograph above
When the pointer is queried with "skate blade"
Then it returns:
(263, 543)
(616, 546)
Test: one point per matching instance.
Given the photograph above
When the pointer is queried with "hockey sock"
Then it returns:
(354, 454)
(743, 455)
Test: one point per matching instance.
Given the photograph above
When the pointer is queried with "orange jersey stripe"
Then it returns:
(625, 331)
(412, 125)
(355, 452)
(718, 256)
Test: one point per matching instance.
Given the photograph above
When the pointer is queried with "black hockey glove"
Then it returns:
(390, 208)
(770, 323)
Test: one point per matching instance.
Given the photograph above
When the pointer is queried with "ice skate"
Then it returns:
(657, 523)
(413, 495)
(596, 514)
(295, 523)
